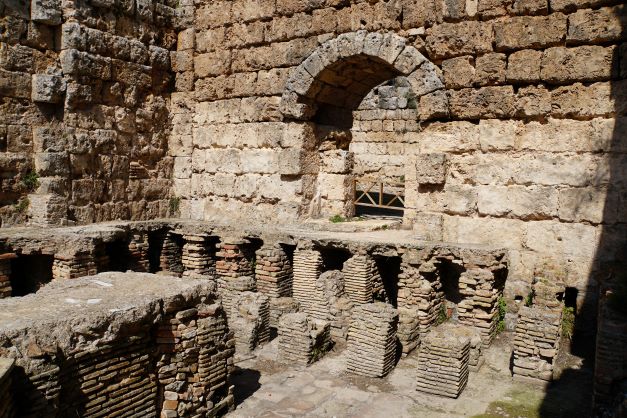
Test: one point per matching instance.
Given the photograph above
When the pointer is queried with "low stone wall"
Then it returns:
(6, 400)
(119, 343)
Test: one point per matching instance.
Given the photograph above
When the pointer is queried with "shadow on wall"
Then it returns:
(572, 393)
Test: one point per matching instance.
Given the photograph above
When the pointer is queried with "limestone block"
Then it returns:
(497, 135)
(578, 100)
(585, 63)
(532, 101)
(431, 168)
(426, 79)
(434, 105)
(490, 69)
(82, 63)
(573, 5)
(47, 88)
(16, 58)
(259, 161)
(46, 11)
(290, 162)
(524, 66)
(14, 84)
(337, 162)
(182, 167)
(592, 26)
(530, 7)
(455, 39)
(517, 201)
(587, 204)
(52, 164)
(492, 8)
(159, 58)
(485, 102)
(47, 209)
(459, 72)
(408, 60)
(530, 32)
(455, 137)
(501, 232)
(334, 186)
(428, 226)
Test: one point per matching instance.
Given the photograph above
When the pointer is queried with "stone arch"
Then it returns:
(341, 71)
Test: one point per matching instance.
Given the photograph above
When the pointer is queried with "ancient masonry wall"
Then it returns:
(5, 275)
(83, 99)
(169, 357)
(7, 409)
(509, 93)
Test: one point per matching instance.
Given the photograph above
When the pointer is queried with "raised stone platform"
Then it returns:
(118, 342)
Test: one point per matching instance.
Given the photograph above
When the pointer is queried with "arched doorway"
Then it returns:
(325, 93)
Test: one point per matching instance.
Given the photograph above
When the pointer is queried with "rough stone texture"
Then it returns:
(371, 346)
(302, 340)
(5, 274)
(250, 321)
(360, 278)
(443, 362)
(7, 408)
(140, 333)
(273, 271)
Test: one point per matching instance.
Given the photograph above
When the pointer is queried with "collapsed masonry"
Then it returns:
(123, 343)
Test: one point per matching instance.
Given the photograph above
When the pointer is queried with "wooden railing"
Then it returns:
(378, 193)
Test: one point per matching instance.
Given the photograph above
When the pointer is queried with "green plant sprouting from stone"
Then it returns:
(502, 310)
(442, 316)
(31, 181)
(22, 205)
(337, 219)
(568, 322)
(529, 298)
(175, 205)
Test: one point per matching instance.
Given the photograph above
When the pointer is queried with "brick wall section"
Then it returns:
(5, 274)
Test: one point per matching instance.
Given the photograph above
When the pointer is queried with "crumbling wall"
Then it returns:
(84, 89)
(123, 343)
(6, 399)
(505, 95)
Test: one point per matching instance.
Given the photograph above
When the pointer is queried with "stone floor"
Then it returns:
(266, 388)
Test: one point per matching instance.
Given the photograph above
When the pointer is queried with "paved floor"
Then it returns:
(266, 388)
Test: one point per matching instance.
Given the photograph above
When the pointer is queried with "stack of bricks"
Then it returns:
(195, 354)
(6, 396)
(198, 256)
(171, 254)
(443, 362)
(371, 348)
(538, 332)
(419, 299)
(234, 270)
(73, 266)
(360, 277)
(138, 252)
(302, 339)
(479, 307)
(280, 307)
(5, 274)
(273, 271)
(99, 374)
(307, 269)
(250, 321)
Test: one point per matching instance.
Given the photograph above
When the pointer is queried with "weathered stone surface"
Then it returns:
(601, 25)
(454, 39)
(530, 32)
(47, 88)
(585, 63)
(483, 103)
(459, 72)
(431, 168)
(524, 66)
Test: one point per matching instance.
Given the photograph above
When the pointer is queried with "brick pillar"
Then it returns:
(5, 274)
(138, 252)
(198, 255)
(361, 278)
(233, 269)
(171, 254)
(273, 271)
(479, 308)
(73, 266)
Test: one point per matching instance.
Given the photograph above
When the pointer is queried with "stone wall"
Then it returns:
(6, 400)
(83, 99)
(514, 141)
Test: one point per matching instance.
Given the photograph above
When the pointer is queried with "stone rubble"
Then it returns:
(73, 266)
(280, 307)
(302, 339)
(250, 321)
(138, 252)
(372, 344)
